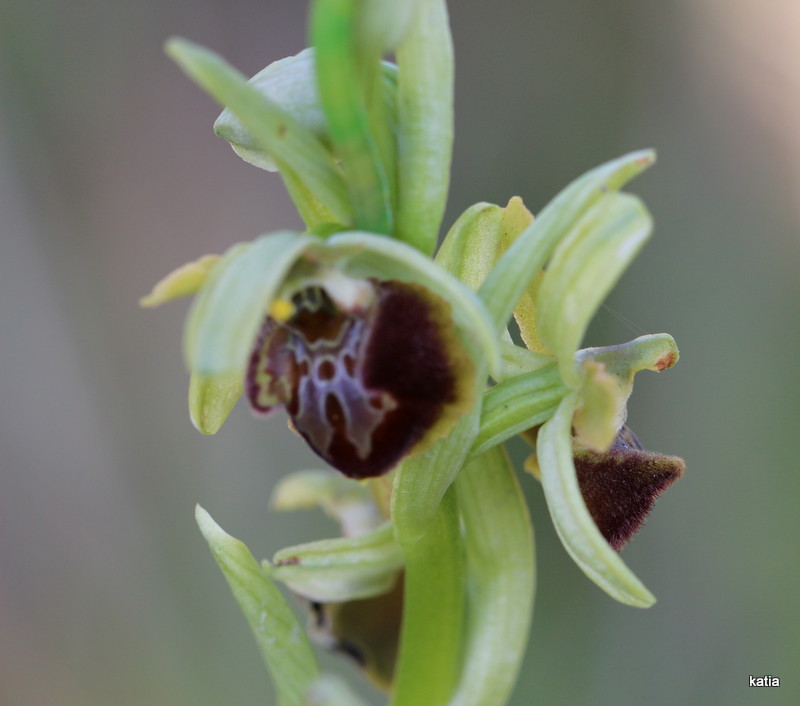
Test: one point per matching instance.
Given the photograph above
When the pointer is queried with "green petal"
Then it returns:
(373, 256)
(425, 125)
(584, 268)
(341, 569)
(228, 311)
(274, 129)
(500, 575)
(603, 408)
(211, 399)
(572, 520)
(473, 244)
(607, 381)
(517, 404)
(181, 282)
(655, 351)
(281, 640)
(522, 262)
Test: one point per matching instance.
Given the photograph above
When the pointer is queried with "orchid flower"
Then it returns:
(399, 371)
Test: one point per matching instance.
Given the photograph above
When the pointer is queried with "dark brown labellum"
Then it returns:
(621, 485)
(362, 387)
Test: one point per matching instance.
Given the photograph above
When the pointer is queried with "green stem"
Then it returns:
(340, 81)
(433, 613)
(516, 404)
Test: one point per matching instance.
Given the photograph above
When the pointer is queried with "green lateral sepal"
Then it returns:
(575, 526)
(582, 271)
(211, 399)
(281, 640)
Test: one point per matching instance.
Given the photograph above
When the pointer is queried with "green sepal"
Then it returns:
(374, 256)
(582, 271)
(211, 399)
(425, 125)
(281, 640)
(500, 579)
(517, 404)
(530, 252)
(280, 134)
(351, 504)
(607, 382)
(341, 569)
(423, 480)
(181, 282)
(575, 526)
(227, 313)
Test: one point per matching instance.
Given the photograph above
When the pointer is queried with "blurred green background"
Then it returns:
(110, 176)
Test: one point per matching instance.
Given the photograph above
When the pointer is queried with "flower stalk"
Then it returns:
(399, 370)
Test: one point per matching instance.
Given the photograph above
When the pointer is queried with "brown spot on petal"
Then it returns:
(288, 561)
(666, 361)
(621, 485)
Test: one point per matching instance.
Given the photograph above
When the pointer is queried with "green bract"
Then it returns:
(282, 642)
(341, 569)
(400, 370)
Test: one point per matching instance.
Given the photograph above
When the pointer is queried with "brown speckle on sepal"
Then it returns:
(621, 485)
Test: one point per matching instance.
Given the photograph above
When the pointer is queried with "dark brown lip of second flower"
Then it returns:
(621, 485)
